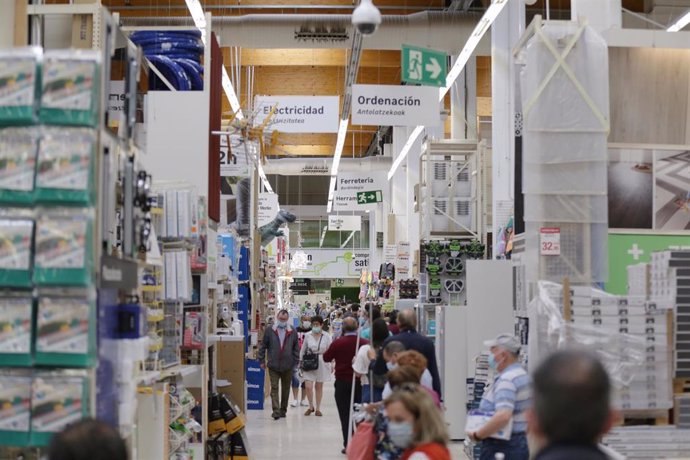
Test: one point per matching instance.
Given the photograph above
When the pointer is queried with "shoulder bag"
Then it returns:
(310, 360)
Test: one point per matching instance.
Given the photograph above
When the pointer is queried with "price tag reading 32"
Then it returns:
(550, 241)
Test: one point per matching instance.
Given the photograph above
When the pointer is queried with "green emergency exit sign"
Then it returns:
(423, 66)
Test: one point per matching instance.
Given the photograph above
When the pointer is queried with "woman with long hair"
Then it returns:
(372, 387)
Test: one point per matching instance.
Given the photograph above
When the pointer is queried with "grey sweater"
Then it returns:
(279, 358)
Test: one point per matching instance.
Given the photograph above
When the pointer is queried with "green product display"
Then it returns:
(19, 86)
(16, 236)
(69, 90)
(15, 410)
(18, 149)
(64, 241)
(56, 402)
(636, 247)
(65, 171)
(65, 332)
(16, 315)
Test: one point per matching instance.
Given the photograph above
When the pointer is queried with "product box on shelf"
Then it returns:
(65, 167)
(65, 331)
(57, 401)
(15, 409)
(18, 150)
(69, 89)
(240, 446)
(20, 78)
(16, 314)
(63, 254)
(16, 238)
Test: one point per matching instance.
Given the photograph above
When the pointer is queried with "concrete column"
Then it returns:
(601, 14)
(399, 187)
(412, 175)
(505, 33)
(463, 103)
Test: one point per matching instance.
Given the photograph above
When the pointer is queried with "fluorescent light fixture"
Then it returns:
(263, 177)
(231, 95)
(348, 239)
(323, 235)
(481, 28)
(405, 150)
(339, 145)
(680, 23)
(197, 12)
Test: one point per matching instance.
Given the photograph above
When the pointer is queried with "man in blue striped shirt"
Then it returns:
(508, 398)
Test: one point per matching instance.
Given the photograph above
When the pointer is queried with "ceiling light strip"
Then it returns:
(476, 36)
(680, 23)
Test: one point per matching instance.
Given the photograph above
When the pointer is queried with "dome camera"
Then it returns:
(366, 17)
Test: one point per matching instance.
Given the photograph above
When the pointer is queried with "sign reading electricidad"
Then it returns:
(423, 66)
(299, 114)
(391, 105)
(350, 185)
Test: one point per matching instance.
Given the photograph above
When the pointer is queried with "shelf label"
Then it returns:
(550, 241)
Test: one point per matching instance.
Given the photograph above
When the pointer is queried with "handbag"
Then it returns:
(310, 360)
(363, 442)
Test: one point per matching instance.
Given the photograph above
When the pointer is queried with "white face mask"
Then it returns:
(400, 433)
(306, 324)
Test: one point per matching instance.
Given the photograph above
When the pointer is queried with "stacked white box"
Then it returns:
(637, 280)
(670, 286)
(650, 384)
(649, 442)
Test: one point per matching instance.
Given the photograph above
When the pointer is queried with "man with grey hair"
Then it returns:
(343, 351)
(279, 351)
(508, 398)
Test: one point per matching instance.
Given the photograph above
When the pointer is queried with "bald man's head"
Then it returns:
(407, 320)
(350, 324)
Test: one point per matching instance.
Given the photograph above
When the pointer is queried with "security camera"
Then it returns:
(366, 17)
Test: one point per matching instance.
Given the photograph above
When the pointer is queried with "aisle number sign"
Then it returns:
(423, 66)
(550, 241)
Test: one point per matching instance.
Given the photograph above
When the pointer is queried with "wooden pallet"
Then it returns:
(645, 417)
(681, 385)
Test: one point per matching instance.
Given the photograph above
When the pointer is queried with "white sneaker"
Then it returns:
(293, 403)
(304, 403)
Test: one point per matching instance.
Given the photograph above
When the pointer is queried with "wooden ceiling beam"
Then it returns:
(311, 151)
(316, 57)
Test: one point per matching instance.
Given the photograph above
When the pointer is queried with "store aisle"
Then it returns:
(299, 437)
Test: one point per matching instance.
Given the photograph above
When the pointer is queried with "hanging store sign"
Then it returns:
(402, 260)
(298, 114)
(268, 208)
(333, 263)
(234, 159)
(345, 223)
(351, 184)
(390, 105)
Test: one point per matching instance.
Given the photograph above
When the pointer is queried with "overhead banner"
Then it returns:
(345, 223)
(299, 114)
(333, 263)
(390, 105)
(353, 189)
(268, 208)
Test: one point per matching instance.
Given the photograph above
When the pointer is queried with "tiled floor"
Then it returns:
(299, 437)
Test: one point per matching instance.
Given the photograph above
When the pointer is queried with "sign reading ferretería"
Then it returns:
(389, 105)
(299, 114)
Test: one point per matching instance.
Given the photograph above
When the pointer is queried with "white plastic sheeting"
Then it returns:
(565, 100)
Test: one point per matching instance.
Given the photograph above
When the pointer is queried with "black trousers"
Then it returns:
(343, 389)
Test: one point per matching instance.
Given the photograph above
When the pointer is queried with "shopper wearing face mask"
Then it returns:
(509, 398)
(297, 381)
(280, 347)
(416, 425)
(316, 342)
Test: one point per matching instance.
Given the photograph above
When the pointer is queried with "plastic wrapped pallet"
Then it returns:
(566, 112)
(18, 149)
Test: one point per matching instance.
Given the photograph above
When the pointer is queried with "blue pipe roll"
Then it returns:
(194, 71)
(172, 71)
